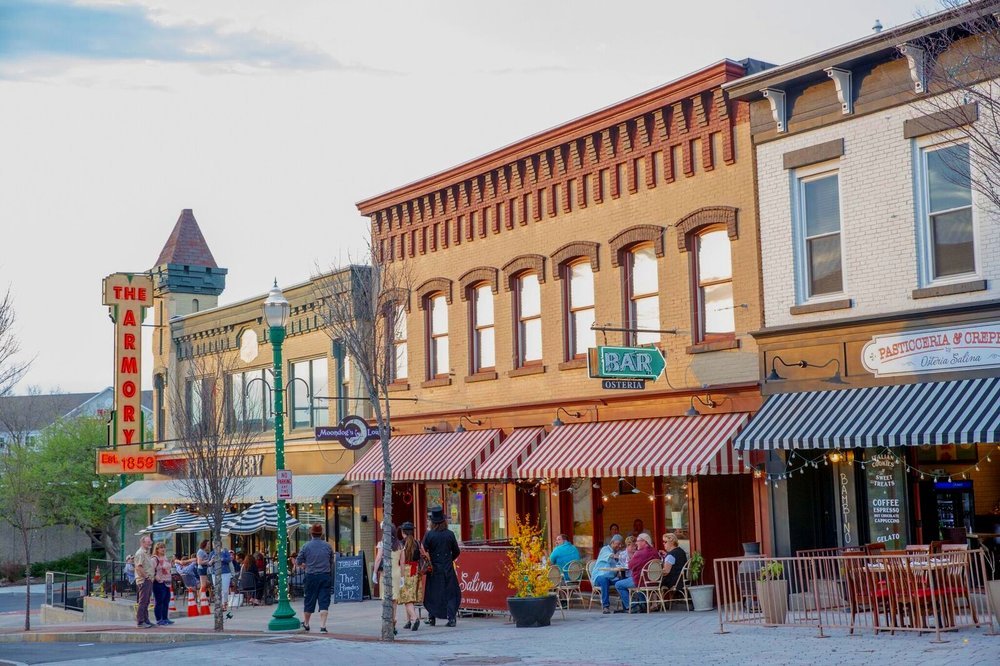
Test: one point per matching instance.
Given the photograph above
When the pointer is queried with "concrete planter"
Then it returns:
(532, 611)
(773, 598)
(702, 597)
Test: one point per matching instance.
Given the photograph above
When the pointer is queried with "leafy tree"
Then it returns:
(21, 482)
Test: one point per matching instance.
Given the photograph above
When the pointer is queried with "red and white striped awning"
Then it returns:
(510, 454)
(432, 457)
(671, 446)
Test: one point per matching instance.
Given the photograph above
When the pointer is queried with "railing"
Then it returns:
(65, 590)
(856, 591)
(107, 578)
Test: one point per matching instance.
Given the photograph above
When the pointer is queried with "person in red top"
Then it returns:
(645, 553)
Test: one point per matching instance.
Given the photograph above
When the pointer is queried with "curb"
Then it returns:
(118, 637)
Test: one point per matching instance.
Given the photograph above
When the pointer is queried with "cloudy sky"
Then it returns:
(271, 119)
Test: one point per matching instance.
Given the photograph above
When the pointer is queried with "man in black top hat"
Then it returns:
(442, 595)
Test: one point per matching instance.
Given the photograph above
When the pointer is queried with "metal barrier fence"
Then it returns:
(894, 591)
(107, 578)
(65, 590)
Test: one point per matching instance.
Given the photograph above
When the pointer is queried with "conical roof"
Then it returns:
(186, 245)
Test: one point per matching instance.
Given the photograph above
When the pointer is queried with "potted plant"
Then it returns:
(533, 603)
(701, 595)
(772, 592)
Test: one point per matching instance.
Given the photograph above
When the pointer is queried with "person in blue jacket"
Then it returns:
(564, 553)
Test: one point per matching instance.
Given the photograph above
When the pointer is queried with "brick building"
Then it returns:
(879, 264)
(632, 225)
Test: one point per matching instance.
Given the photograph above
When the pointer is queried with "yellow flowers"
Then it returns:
(527, 576)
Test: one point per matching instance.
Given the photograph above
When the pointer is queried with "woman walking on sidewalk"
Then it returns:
(412, 590)
(161, 584)
(442, 595)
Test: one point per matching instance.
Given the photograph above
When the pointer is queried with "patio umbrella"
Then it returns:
(204, 523)
(260, 516)
(170, 522)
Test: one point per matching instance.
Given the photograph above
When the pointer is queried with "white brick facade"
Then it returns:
(878, 223)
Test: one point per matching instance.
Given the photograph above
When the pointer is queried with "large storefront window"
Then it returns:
(498, 513)
(583, 515)
(477, 511)
(675, 497)
(340, 524)
(308, 515)
(885, 485)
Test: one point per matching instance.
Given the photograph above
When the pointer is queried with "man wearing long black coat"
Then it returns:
(442, 595)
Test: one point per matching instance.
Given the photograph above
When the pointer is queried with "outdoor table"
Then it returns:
(923, 569)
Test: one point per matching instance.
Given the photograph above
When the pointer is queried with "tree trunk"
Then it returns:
(26, 538)
(219, 596)
(388, 598)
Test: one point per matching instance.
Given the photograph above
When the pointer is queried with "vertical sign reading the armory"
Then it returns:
(128, 294)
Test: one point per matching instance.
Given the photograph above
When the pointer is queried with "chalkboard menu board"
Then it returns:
(886, 481)
(350, 578)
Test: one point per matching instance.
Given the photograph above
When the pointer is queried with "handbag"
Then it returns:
(424, 566)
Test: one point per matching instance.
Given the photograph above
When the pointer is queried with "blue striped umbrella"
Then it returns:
(170, 522)
(260, 516)
(204, 523)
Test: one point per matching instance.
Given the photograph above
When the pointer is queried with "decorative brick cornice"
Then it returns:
(526, 263)
(641, 233)
(487, 274)
(704, 217)
(433, 286)
(573, 250)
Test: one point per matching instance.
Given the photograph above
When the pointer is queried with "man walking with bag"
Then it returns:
(317, 556)
(144, 572)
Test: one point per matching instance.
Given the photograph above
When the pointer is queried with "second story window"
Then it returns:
(437, 342)
(195, 402)
(305, 412)
(820, 250)
(948, 231)
(400, 358)
(246, 400)
(579, 309)
(528, 309)
(483, 341)
(642, 289)
(713, 274)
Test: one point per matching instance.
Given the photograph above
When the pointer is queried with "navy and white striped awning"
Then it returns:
(204, 523)
(260, 516)
(170, 522)
(955, 412)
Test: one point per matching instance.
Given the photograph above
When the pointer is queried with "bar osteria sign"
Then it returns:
(970, 347)
(128, 294)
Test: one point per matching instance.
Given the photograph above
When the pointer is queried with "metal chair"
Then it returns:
(555, 575)
(649, 585)
(568, 586)
(679, 590)
(595, 592)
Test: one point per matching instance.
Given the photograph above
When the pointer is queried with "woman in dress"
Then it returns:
(397, 566)
(412, 589)
(442, 595)
(161, 584)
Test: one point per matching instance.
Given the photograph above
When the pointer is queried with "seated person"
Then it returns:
(130, 570)
(564, 553)
(607, 559)
(612, 531)
(625, 555)
(674, 559)
(645, 552)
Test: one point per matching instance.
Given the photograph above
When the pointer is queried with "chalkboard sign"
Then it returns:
(350, 578)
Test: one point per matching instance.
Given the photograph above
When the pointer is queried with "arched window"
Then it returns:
(528, 315)
(437, 338)
(483, 340)
(195, 306)
(642, 290)
(713, 277)
(579, 309)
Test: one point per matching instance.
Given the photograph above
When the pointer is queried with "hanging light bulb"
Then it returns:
(669, 497)
(977, 467)
(652, 498)
(604, 498)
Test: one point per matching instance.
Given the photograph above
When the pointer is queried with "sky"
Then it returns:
(270, 119)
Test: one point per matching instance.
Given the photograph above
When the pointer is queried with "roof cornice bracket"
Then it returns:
(916, 56)
(777, 99)
(845, 91)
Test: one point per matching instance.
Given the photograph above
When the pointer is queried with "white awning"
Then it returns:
(306, 489)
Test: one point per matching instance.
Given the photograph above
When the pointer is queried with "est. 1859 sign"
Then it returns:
(352, 433)
(125, 460)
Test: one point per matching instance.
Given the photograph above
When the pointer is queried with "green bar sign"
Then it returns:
(625, 362)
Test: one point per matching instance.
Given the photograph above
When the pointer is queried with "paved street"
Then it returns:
(582, 638)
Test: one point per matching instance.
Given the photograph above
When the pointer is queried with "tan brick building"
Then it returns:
(639, 220)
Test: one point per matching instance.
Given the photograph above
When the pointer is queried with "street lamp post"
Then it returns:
(276, 312)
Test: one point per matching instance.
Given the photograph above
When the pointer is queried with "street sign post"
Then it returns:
(284, 479)
(625, 362)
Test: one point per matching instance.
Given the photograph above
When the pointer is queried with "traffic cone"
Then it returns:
(192, 604)
(205, 608)
(173, 602)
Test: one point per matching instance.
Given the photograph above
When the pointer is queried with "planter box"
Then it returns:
(532, 611)
(701, 597)
(773, 598)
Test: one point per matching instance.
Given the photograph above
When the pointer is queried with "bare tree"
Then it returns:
(214, 442)
(961, 65)
(11, 369)
(360, 309)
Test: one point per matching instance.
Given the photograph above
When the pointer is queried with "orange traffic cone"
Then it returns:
(173, 602)
(192, 604)
(205, 608)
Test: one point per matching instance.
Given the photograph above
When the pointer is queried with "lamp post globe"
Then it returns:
(276, 312)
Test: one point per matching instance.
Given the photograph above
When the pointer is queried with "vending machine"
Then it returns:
(955, 506)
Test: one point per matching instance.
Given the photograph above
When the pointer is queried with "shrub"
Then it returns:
(11, 571)
(525, 571)
(74, 564)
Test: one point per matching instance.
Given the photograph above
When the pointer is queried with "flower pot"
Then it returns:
(532, 611)
(773, 598)
(701, 596)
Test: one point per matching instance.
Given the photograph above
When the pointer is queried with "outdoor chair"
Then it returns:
(595, 592)
(859, 588)
(679, 590)
(555, 575)
(648, 585)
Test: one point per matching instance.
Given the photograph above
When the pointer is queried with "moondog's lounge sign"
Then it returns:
(127, 294)
(934, 350)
